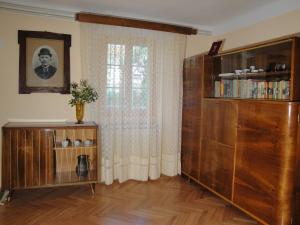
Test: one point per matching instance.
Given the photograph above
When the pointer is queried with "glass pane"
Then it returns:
(140, 56)
(114, 76)
(115, 63)
(139, 97)
(115, 54)
(139, 78)
(113, 96)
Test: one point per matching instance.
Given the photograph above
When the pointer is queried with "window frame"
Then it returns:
(126, 84)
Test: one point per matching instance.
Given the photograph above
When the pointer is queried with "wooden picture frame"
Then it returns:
(215, 47)
(44, 62)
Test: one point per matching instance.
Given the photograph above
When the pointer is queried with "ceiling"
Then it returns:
(209, 16)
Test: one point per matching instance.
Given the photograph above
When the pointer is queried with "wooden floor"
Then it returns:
(167, 201)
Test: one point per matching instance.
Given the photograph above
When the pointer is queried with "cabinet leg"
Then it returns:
(10, 195)
(93, 186)
(6, 197)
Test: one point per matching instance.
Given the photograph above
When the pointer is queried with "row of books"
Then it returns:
(252, 89)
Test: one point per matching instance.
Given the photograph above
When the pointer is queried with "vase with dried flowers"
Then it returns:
(81, 93)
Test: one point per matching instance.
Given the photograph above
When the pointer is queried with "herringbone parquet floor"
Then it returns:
(167, 201)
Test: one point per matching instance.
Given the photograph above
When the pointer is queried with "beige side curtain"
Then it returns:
(138, 75)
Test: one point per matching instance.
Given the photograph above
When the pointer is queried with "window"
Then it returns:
(127, 76)
(115, 68)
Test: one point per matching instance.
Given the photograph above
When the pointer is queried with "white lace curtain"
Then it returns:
(138, 75)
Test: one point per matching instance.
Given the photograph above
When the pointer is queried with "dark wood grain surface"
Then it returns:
(265, 160)
(191, 115)
(126, 22)
(6, 157)
(295, 72)
(297, 178)
(216, 166)
(73, 125)
(29, 154)
(249, 151)
(208, 79)
(218, 139)
(219, 121)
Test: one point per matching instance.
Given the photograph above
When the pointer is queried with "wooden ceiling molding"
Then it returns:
(126, 22)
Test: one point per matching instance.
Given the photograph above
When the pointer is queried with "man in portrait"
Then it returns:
(45, 70)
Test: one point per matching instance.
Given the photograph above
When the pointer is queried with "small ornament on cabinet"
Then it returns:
(215, 47)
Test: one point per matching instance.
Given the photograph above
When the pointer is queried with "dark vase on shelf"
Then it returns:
(83, 165)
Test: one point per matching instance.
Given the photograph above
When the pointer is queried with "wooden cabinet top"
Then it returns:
(72, 125)
(270, 42)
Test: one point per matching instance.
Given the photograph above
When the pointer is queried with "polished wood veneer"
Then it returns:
(250, 157)
(216, 167)
(33, 156)
(191, 119)
(222, 116)
(265, 160)
(249, 151)
(26, 159)
(217, 146)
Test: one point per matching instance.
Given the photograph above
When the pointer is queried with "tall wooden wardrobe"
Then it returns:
(240, 128)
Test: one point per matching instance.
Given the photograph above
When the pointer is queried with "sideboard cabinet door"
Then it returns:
(265, 160)
(27, 158)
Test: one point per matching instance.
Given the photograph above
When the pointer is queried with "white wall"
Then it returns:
(272, 28)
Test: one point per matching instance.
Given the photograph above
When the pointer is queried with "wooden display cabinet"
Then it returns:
(33, 155)
(249, 151)
(274, 74)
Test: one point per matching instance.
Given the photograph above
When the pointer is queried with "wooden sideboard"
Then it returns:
(246, 150)
(33, 154)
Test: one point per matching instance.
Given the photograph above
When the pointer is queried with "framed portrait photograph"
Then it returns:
(44, 63)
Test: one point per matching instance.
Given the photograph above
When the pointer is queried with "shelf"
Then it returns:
(73, 147)
(71, 177)
(258, 75)
(250, 99)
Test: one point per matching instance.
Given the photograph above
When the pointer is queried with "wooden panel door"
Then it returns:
(186, 138)
(191, 115)
(218, 145)
(27, 158)
(297, 177)
(265, 160)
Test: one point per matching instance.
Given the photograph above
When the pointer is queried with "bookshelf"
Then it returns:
(243, 144)
(266, 71)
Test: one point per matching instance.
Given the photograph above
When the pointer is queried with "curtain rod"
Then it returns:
(126, 22)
